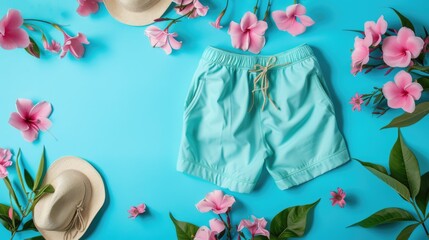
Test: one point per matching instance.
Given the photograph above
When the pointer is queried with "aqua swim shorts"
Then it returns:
(246, 112)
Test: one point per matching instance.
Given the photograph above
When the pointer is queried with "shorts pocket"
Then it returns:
(323, 89)
(193, 96)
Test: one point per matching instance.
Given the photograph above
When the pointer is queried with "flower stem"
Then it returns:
(295, 1)
(422, 221)
(177, 19)
(13, 235)
(267, 12)
(228, 227)
(255, 8)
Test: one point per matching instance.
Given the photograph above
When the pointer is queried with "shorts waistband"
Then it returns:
(222, 57)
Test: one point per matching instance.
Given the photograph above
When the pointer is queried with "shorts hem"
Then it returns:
(212, 176)
(310, 172)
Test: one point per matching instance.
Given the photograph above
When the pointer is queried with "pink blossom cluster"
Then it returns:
(220, 203)
(13, 35)
(391, 49)
(247, 35)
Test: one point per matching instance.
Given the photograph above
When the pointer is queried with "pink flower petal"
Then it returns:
(248, 20)
(415, 46)
(259, 28)
(41, 110)
(296, 28)
(13, 19)
(390, 90)
(403, 79)
(30, 134)
(415, 90)
(176, 45)
(404, 34)
(409, 104)
(18, 122)
(306, 20)
(204, 206)
(24, 107)
(43, 124)
(256, 43)
(216, 225)
(141, 208)
(296, 9)
(282, 21)
(87, 8)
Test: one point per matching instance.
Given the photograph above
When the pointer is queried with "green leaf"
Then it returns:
(404, 166)
(11, 191)
(28, 179)
(375, 166)
(4, 211)
(393, 183)
(405, 21)
(420, 68)
(33, 49)
(424, 81)
(18, 171)
(407, 231)
(40, 193)
(6, 222)
(29, 225)
(291, 222)
(407, 119)
(422, 199)
(184, 230)
(35, 238)
(39, 174)
(387, 215)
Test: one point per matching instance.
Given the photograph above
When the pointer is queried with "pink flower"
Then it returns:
(162, 39)
(376, 30)
(403, 92)
(216, 201)
(10, 213)
(74, 45)
(399, 50)
(135, 211)
(11, 34)
(360, 54)
(249, 34)
(5, 156)
(338, 197)
(356, 101)
(205, 233)
(31, 118)
(184, 7)
(216, 24)
(288, 21)
(257, 227)
(87, 7)
(54, 47)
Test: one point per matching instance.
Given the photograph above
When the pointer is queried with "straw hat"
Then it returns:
(79, 195)
(136, 12)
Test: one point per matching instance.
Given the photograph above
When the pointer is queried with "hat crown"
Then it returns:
(72, 190)
(138, 5)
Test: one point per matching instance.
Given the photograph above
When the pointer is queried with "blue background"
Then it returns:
(121, 106)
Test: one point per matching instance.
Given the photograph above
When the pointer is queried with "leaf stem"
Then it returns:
(267, 12)
(13, 235)
(255, 8)
(422, 221)
(228, 227)
(177, 19)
